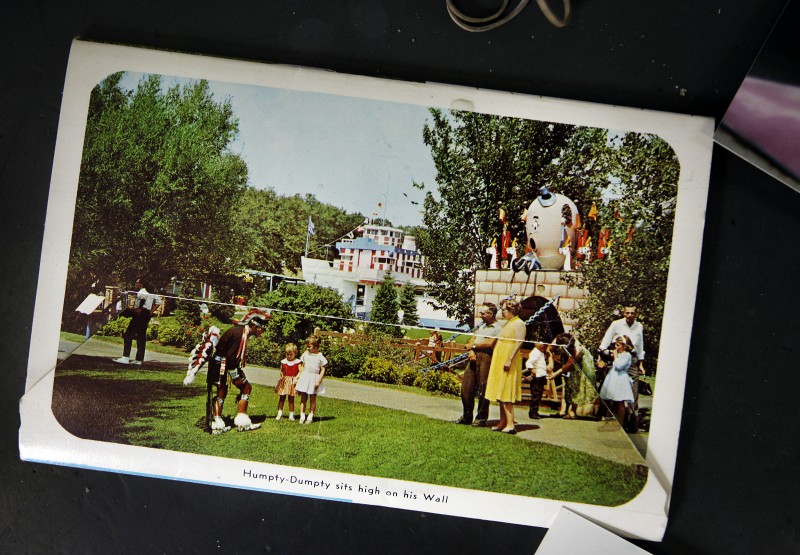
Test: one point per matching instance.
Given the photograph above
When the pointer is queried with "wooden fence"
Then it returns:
(553, 392)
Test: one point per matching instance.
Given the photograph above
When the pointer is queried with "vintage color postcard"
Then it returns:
(412, 295)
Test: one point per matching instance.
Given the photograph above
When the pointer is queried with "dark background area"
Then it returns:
(735, 488)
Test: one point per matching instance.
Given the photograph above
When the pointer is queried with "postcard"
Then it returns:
(762, 124)
(413, 295)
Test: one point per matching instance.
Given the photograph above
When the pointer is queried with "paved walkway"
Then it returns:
(603, 439)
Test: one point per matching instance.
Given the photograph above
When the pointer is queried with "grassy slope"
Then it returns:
(357, 439)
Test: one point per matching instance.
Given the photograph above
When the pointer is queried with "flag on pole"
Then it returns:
(310, 226)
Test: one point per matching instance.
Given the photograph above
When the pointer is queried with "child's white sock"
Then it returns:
(291, 416)
(280, 413)
(310, 418)
(302, 417)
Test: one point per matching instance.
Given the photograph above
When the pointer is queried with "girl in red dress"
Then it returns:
(290, 368)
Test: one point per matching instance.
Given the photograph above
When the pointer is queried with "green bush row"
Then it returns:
(385, 371)
(372, 358)
(176, 331)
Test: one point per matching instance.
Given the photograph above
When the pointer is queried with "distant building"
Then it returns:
(363, 263)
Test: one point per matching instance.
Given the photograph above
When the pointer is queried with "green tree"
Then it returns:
(641, 224)
(299, 309)
(483, 163)
(407, 301)
(157, 188)
(385, 307)
(273, 228)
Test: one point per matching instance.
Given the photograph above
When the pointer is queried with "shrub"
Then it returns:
(408, 375)
(115, 328)
(222, 312)
(171, 332)
(264, 352)
(379, 370)
(152, 329)
(436, 380)
(188, 312)
(181, 334)
(299, 309)
(344, 359)
(349, 358)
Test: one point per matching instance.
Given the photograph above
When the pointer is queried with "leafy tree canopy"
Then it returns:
(273, 229)
(158, 185)
(301, 308)
(486, 162)
(483, 162)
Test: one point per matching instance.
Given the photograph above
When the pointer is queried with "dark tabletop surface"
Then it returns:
(735, 487)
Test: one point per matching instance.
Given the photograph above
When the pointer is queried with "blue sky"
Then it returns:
(348, 152)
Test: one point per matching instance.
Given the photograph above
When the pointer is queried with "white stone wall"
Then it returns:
(493, 285)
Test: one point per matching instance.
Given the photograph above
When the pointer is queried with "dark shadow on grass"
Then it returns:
(98, 407)
(296, 419)
(323, 419)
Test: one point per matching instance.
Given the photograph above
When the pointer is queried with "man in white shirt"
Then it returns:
(633, 329)
(140, 314)
(628, 326)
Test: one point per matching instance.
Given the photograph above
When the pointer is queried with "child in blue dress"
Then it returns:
(617, 388)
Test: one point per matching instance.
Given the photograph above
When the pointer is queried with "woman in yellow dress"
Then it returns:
(505, 373)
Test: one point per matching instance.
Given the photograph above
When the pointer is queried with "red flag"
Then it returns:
(603, 244)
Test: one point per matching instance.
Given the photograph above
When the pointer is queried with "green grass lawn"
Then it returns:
(75, 337)
(151, 408)
(415, 333)
(151, 345)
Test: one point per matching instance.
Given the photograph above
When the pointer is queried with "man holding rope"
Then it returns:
(473, 382)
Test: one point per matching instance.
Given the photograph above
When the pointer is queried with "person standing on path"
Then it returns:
(473, 382)
(140, 315)
(505, 373)
(617, 388)
(536, 368)
(629, 327)
(287, 384)
(309, 384)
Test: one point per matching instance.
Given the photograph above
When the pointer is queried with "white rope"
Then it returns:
(269, 310)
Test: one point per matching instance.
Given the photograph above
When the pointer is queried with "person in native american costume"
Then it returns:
(230, 359)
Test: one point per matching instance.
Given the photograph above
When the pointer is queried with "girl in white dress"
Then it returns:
(309, 383)
(617, 387)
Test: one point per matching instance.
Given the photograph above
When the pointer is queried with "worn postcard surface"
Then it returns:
(412, 295)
